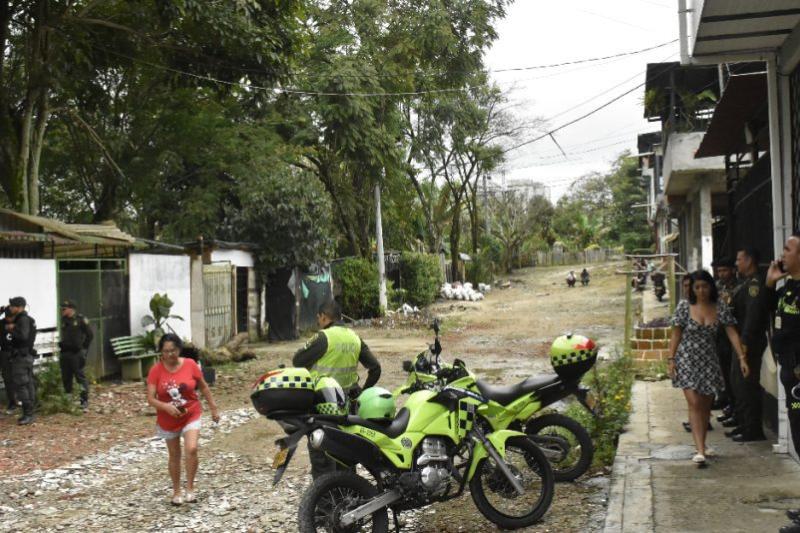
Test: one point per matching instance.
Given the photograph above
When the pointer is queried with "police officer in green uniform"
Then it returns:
(76, 336)
(786, 339)
(724, 269)
(18, 337)
(749, 308)
(336, 352)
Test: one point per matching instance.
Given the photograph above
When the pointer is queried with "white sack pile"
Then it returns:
(459, 291)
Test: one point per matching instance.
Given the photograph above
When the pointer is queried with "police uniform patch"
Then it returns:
(753, 291)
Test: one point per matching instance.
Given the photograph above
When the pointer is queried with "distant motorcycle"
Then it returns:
(659, 288)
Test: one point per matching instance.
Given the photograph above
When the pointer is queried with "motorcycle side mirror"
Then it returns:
(408, 366)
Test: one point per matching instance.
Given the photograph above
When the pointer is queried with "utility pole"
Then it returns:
(379, 241)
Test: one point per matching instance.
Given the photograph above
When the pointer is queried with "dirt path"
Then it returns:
(105, 472)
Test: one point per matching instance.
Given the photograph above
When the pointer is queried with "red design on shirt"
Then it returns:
(178, 388)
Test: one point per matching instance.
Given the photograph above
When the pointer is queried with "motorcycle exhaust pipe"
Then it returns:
(375, 504)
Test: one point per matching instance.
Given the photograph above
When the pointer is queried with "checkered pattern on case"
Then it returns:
(794, 91)
(287, 382)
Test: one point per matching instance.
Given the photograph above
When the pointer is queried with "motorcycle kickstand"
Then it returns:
(397, 525)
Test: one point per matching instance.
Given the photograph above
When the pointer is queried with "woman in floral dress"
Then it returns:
(693, 362)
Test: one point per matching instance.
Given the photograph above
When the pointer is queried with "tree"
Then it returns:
(517, 221)
(287, 215)
(605, 209)
(88, 65)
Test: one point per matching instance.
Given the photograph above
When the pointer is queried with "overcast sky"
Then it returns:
(537, 33)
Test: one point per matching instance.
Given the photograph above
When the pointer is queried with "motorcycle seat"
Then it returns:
(391, 428)
(504, 395)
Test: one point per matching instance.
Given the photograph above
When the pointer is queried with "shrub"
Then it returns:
(50, 392)
(358, 279)
(420, 277)
(480, 270)
(611, 386)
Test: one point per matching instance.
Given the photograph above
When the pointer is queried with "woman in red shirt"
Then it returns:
(172, 390)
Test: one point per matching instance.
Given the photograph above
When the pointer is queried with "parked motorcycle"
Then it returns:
(565, 442)
(436, 445)
(659, 287)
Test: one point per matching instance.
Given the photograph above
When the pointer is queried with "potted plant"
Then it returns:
(160, 307)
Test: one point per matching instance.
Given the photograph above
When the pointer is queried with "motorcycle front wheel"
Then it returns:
(332, 495)
(567, 444)
(495, 497)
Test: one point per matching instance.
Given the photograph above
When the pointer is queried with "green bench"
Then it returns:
(135, 358)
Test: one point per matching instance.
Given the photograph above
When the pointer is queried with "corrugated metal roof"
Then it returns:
(106, 234)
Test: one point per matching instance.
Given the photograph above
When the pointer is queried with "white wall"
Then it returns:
(238, 258)
(35, 280)
(152, 273)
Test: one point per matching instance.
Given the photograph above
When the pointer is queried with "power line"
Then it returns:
(577, 61)
(582, 117)
(303, 92)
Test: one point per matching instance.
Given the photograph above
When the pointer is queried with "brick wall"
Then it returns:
(650, 344)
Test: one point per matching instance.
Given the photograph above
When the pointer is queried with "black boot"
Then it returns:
(794, 527)
(25, 420)
(793, 514)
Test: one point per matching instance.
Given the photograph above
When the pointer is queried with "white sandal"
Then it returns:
(699, 459)
(177, 500)
(190, 497)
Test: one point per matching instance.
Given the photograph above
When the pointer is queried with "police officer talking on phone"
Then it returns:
(786, 339)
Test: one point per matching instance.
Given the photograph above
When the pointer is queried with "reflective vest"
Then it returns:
(340, 360)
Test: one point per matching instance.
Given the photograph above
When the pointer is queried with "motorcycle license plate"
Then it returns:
(280, 458)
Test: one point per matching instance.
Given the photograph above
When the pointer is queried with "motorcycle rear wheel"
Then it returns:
(333, 494)
(497, 500)
(562, 434)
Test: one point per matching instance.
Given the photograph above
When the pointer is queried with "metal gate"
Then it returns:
(794, 85)
(241, 300)
(99, 287)
(218, 293)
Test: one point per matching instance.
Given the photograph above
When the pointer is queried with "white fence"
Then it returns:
(562, 257)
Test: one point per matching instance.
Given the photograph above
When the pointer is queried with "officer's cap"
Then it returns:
(17, 301)
(725, 262)
(68, 304)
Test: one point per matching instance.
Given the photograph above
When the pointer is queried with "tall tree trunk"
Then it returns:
(455, 239)
(20, 184)
(36, 152)
(474, 226)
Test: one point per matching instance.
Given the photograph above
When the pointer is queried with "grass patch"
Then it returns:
(652, 371)
(611, 385)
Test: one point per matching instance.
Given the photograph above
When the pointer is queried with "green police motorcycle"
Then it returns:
(565, 442)
(431, 451)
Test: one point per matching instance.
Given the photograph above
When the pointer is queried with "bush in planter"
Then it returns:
(420, 277)
(358, 279)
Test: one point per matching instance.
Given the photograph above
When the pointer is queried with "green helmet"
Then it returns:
(329, 397)
(572, 355)
(376, 403)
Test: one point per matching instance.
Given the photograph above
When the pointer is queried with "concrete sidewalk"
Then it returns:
(655, 487)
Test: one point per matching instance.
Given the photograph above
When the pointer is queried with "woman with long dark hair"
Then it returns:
(172, 386)
(693, 362)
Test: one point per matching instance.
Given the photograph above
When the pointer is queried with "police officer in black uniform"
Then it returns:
(5, 365)
(76, 336)
(786, 339)
(726, 285)
(750, 310)
(18, 337)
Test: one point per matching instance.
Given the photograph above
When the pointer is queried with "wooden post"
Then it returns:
(673, 298)
(626, 346)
